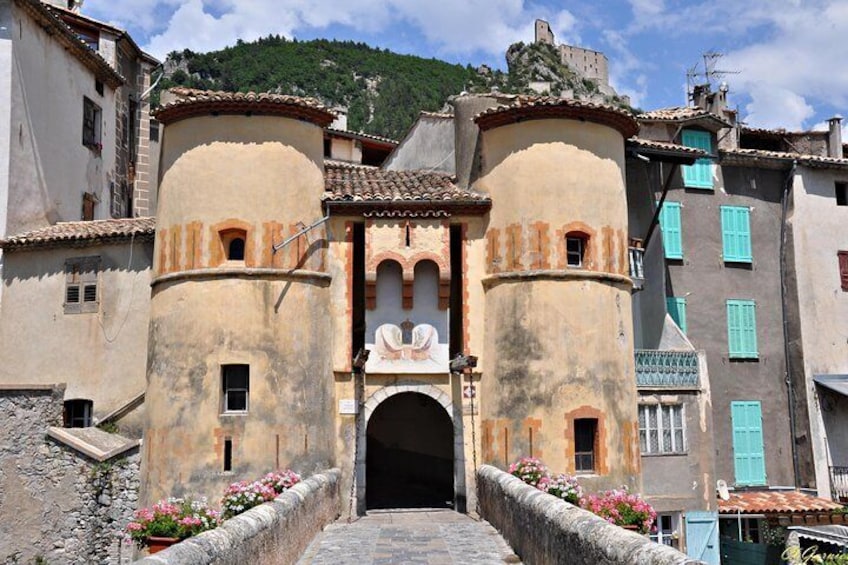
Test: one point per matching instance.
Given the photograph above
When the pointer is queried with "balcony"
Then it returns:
(637, 268)
(667, 369)
(839, 483)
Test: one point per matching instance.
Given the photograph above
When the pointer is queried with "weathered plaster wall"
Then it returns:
(428, 145)
(544, 529)
(817, 231)
(263, 175)
(272, 533)
(707, 282)
(101, 355)
(50, 167)
(6, 59)
(558, 342)
(57, 503)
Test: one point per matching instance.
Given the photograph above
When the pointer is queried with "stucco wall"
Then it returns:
(55, 502)
(817, 228)
(544, 529)
(558, 342)
(275, 533)
(263, 175)
(707, 282)
(101, 355)
(50, 167)
(428, 145)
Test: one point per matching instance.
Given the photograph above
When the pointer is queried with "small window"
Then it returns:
(98, 87)
(236, 249)
(661, 429)
(736, 234)
(81, 282)
(699, 174)
(666, 533)
(742, 329)
(843, 269)
(575, 247)
(236, 380)
(234, 242)
(841, 193)
(228, 454)
(89, 203)
(154, 130)
(671, 229)
(77, 413)
(585, 431)
(91, 125)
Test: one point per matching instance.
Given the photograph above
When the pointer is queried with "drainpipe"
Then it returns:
(787, 187)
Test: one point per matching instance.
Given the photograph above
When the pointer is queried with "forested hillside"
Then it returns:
(383, 91)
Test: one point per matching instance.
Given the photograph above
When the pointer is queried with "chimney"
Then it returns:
(467, 134)
(834, 139)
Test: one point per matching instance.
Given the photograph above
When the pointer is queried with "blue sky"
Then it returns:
(789, 55)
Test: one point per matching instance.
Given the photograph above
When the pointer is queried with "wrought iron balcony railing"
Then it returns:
(839, 483)
(669, 369)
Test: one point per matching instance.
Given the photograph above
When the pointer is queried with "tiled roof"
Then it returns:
(60, 31)
(666, 146)
(758, 155)
(362, 187)
(83, 233)
(775, 502)
(361, 135)
(521, 108)
(681, 114)
(190, 102)
(439, 115)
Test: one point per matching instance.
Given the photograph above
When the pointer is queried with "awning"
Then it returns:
(834, 534)
(837, 383)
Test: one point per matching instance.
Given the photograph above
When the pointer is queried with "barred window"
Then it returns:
(661, 428)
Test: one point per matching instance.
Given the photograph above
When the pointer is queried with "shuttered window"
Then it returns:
(700, 174)
(748, 451)
(677, 311)
(742, 329)
(81, 285)
(736, 234)
(671, 229)
(843, 269)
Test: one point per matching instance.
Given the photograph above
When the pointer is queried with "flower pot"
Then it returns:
(155, 545)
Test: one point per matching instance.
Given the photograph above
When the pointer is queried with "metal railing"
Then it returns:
(669, 369)
(839, 483)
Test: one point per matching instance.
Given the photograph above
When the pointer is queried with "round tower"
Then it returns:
(558, 362)
(239, 374)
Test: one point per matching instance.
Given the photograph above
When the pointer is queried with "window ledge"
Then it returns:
(675, 454)
(234, 414)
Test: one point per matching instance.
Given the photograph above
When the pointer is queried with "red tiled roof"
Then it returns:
(361, 135)
(520, 108)
(439, 115)
(60, 31)
(775, 502)
(83, 233)
(353, 186)
(680, 114)
(812, 161)
(190, 102)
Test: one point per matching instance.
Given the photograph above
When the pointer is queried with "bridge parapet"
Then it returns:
(543, 529)
(272, 533)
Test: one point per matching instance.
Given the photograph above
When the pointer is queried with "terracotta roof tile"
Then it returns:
(439, 115)
(813, 161)
(775, 502)
(83, 233)
(190, 102)
(666, 146)
(370, 186)
(523, 107)
(362, 135)
(681, 114)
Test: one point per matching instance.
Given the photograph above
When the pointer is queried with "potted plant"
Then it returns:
(561, 486)
(169, 521)
(530, 470)
(622, 508)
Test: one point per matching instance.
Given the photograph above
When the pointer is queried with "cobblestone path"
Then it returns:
(425, 537)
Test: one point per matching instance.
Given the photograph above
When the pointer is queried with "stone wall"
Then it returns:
(56, 503)
(543, 529)
(276, 532)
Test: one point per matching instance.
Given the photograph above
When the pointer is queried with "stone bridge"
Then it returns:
(517, 524)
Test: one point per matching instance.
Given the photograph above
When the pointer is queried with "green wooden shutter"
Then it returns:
(700, 174)
(736, 234)
(670, 226)
(677, 311)
(741, 329)
(748, 451)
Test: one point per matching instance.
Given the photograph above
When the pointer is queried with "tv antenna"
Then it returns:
(697, 77)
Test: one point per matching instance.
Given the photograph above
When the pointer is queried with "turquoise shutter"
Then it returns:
(700, 174)
(736, 234)
(748, 451)
(742, 329)
(677, 311)
(670, 226)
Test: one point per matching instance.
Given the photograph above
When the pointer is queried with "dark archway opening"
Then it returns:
(409, 454)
